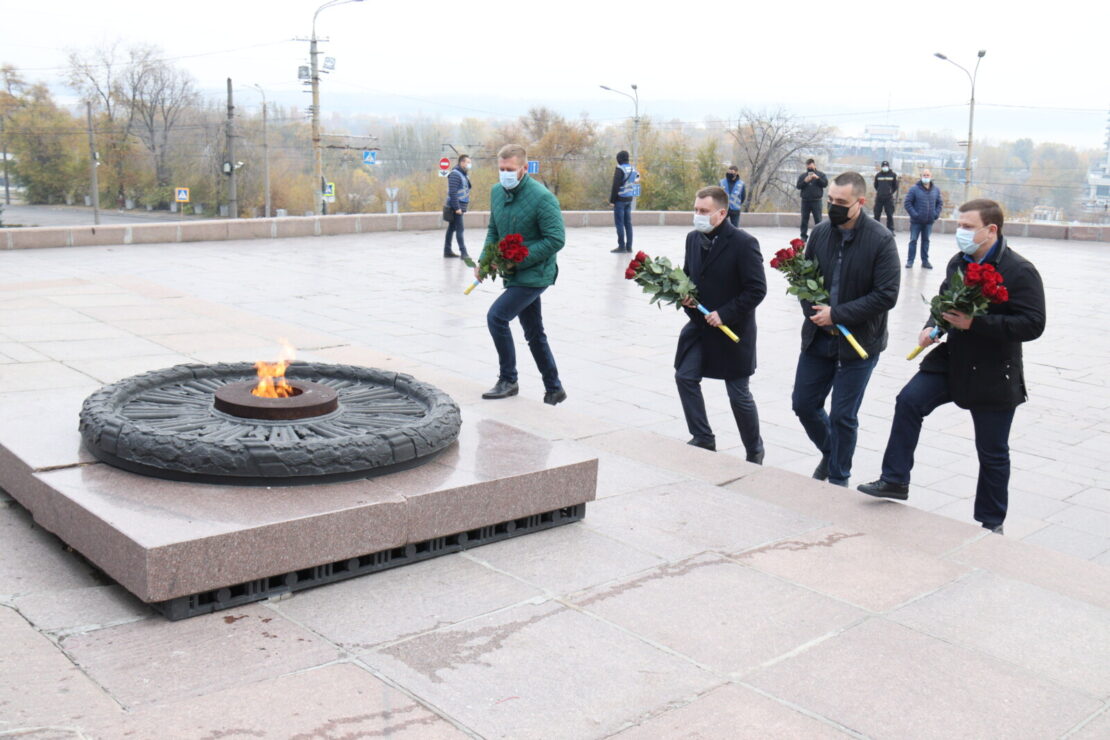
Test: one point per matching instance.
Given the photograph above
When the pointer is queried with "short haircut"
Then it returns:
(717, 193)
(462, 157)
(855, 179)
(811, 160)
(513, 151)
(989, 211)
(733, 168)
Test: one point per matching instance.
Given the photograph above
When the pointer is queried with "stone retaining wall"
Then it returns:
(277, 228)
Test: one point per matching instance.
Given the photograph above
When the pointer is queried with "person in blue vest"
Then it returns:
(620, 198)
(737, 192)
(458, 200)
(923, 204)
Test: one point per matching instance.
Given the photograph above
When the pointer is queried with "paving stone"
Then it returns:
(33, 376)
(1022, 624)
(887, 681)
(673, 455)
(1096, 498)
(1097, 729)
(336, 701)
(723, 615)
(363, 613)
(1085, 519)
(34, 560)
(1074, 542)
(853, 566)
(617, 475)
(153, 661)
(540, 671)
(732, 711)
(81, 609)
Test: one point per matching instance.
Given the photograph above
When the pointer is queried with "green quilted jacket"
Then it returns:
(532, 211)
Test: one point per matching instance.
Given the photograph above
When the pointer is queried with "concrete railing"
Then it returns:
(278, 228)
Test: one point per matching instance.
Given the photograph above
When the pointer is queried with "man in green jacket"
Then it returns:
(520, 205)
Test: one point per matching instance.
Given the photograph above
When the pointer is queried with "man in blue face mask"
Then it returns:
(520, 205)
(979, 367)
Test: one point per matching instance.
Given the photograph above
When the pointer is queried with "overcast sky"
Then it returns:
(847, 64)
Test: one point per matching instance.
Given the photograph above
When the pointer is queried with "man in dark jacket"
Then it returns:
(621, 195)
(725, 264)
(737, 193)
(979, 367)
(812, 183)
(859, 263)
(886, 190)
(458, 200)
(923, 204)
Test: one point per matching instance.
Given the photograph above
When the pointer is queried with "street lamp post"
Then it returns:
(971, 115)
(317, 150)
(635, 98)
(265, 149)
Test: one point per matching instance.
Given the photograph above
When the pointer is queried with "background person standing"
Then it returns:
(737, 192)
(620, 197)
(458, 200)
(812, 183)
(886, 190)
(923, 204)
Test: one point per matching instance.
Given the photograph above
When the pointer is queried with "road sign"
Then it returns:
(182, 195)
(445, 164)
(391, 193)
(329, 192)
(369, 156)
(533, 166)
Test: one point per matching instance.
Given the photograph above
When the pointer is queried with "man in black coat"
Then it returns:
(726, 266)
(812, 184)
(979, 367)
(859, 263)
(886, 190)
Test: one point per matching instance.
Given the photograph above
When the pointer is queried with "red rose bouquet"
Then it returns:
(803, 279)
(502, 259)
(970, 293)
(667, 284)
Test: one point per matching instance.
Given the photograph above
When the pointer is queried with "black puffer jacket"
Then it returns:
(814, 189)
(984, 363)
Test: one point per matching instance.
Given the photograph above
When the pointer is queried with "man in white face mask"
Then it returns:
(726, 266)
(979, 367)
(923, 204)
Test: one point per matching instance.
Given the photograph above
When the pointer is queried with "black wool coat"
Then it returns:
(730, 281)
(984, 363)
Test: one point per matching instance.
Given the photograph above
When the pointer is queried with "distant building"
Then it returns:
(1098, 184)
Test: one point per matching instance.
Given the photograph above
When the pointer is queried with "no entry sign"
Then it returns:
(445, 164)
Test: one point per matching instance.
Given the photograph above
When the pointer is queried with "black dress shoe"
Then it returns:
(552, 398)
(909, 265)
(885, 489)
(756, 459)
(503, 389)
(704, 444)
(995, 530)
(927, 265)
(618, 250)
(447, 255)
(821, 472)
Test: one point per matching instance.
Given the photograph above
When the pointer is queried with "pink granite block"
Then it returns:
(1085, 233)
(204, 231)
(677, 218)
(250, 228)
(98, 235)
(36, 237)
(1048, 231)
(757, 219)
(333, 225)
(421, 221)
(154, 233)
(296, 226)
(576, 219)
(645, 218)
(370, 222)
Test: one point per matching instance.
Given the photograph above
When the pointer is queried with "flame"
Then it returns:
(271, 375)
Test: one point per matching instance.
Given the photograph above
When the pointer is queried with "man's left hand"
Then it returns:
(957, 319)
(822, 315)
(713, 319)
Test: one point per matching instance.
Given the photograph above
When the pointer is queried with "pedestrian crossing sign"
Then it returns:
(182, 195)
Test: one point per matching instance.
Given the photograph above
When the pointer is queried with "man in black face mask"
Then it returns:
(859, 262)
(812, 183)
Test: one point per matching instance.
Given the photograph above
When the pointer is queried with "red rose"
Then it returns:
(775, 262)
(798, 244)
(1001, 295)
(634, 265)
(629, 274)
(641, 257)
(783, 255)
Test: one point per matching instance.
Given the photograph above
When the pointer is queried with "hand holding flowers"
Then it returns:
(967, 295)
(669, 284)
(503, 259)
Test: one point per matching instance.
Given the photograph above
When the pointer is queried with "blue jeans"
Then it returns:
(688, 378)
(819, 371)
(622, 217)
(455, 228)
(518, 301)
(924, 230)
(927, 391)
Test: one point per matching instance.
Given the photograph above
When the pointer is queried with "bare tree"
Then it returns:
(767, 144)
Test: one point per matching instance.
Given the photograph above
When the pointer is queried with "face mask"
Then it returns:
(926, 180)
(731, 177)
(965, 240)
(510, 179)
(886, 169)
(811, 168)
(467, 166)
(838, 214)
(702, 223)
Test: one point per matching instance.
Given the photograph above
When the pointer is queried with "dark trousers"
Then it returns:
(810, 207)
(927, 391)
(819, 371)
(622, 218)
(734, 217)
(688, 379)
(885, 204)
(922, 230)
(523, 303)
(455, 228)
